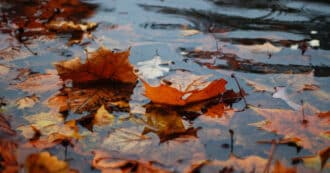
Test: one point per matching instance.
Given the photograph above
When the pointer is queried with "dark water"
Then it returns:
(272, 43)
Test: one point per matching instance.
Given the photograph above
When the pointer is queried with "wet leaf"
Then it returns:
(5, 126)
(247, 164)
(290, 124)
(216, 111)
(153, 68)
(167, 124)
(40, 162)
(265, 48)
(70, 26)
(103, 117)
(103, 64)
(189, 32)
(280, 168)
(319, 162)
(8, 160)
(48, 129)
(91, 97)
(181, 93)
(27, 102)
(40, 83)
(115, 163)
(4, 70)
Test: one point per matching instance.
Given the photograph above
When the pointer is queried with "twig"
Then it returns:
(240, 90)
(271, 154)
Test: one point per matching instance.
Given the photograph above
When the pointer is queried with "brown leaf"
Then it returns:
(289, 123)
(90, 98)
(319, 162)
(280, 168)
(167, 124)
(8, 161)
(40, 162)
(40, 83)
(5, 126)
(103, 64)
(165, 94)
(27, 102)
(247, 164)
(113, 163)
(310, 87)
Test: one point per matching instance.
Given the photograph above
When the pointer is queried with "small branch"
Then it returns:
(271, 154)
(240, 90)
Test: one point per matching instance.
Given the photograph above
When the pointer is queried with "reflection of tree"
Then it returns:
(24, 18)
(233, 62)
(208, 21)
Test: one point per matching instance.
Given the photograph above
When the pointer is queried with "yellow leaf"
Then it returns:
(103, 117)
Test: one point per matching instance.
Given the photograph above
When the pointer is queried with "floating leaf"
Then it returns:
(113, 163)
(27, 102)
(8, 161)
(290, 124)
(319, 162)
(193, 91)
(90, 98)
(280, 168)
(103, 64)
(40, 83)
(70, 26)
(5, 126)
(103, 117)
(167, 124)
(189, 32)
(234, 163)
(4, 70)
(40, 162)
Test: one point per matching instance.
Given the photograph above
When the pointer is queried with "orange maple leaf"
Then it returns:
(165, 94)
(103, 64)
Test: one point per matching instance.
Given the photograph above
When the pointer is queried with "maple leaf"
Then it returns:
(39, 162)
(103, 64)
(289, 123)
(107, 162)
(319, 162)
(182, 92)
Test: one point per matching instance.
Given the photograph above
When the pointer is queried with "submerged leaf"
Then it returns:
(290, 124)
(5, 126)
(103, 64)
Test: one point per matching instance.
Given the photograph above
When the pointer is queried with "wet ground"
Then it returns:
(267, 45)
